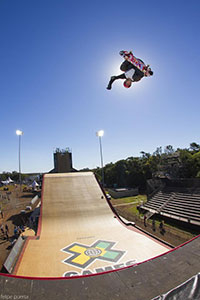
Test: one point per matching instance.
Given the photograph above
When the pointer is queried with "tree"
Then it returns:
(158, 151)
(145, 154)
(196, 158)
(187, 164)
(194, 147)
(169, 150)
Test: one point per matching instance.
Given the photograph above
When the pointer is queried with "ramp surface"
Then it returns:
(79, 234)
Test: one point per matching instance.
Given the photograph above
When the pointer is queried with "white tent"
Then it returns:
(9, 180)
(34, 185)
(5, 182)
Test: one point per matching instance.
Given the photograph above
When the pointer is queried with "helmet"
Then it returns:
(126, 86)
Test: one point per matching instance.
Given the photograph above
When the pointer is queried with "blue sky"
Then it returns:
(56, 58)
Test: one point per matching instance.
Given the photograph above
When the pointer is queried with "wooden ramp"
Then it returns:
(79, 234)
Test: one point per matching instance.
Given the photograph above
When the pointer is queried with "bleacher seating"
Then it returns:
(177, 203)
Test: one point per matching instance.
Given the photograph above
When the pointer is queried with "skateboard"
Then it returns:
(128, 55)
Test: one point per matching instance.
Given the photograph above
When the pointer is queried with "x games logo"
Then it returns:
(83, 256)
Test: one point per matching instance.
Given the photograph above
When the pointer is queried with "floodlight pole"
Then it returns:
(20, 133)
(20, 175)
(100, 133)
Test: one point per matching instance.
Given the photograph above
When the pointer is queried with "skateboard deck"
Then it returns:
(136, 62)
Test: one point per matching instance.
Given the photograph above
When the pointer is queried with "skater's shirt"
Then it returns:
(129, 74)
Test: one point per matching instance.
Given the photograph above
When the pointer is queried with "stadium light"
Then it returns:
(19, 133)
(100, 133)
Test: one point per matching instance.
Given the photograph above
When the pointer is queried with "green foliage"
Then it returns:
(13, 175)
(194, 147)
(135, 171)
(190, 163)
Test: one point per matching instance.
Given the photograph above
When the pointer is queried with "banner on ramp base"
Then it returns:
(190, 289)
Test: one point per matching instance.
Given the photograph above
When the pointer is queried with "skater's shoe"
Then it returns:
(109, 87)
(112, 79)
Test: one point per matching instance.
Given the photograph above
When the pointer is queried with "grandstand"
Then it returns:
(180, 203)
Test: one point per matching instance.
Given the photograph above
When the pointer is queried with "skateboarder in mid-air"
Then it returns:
(134, 70)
